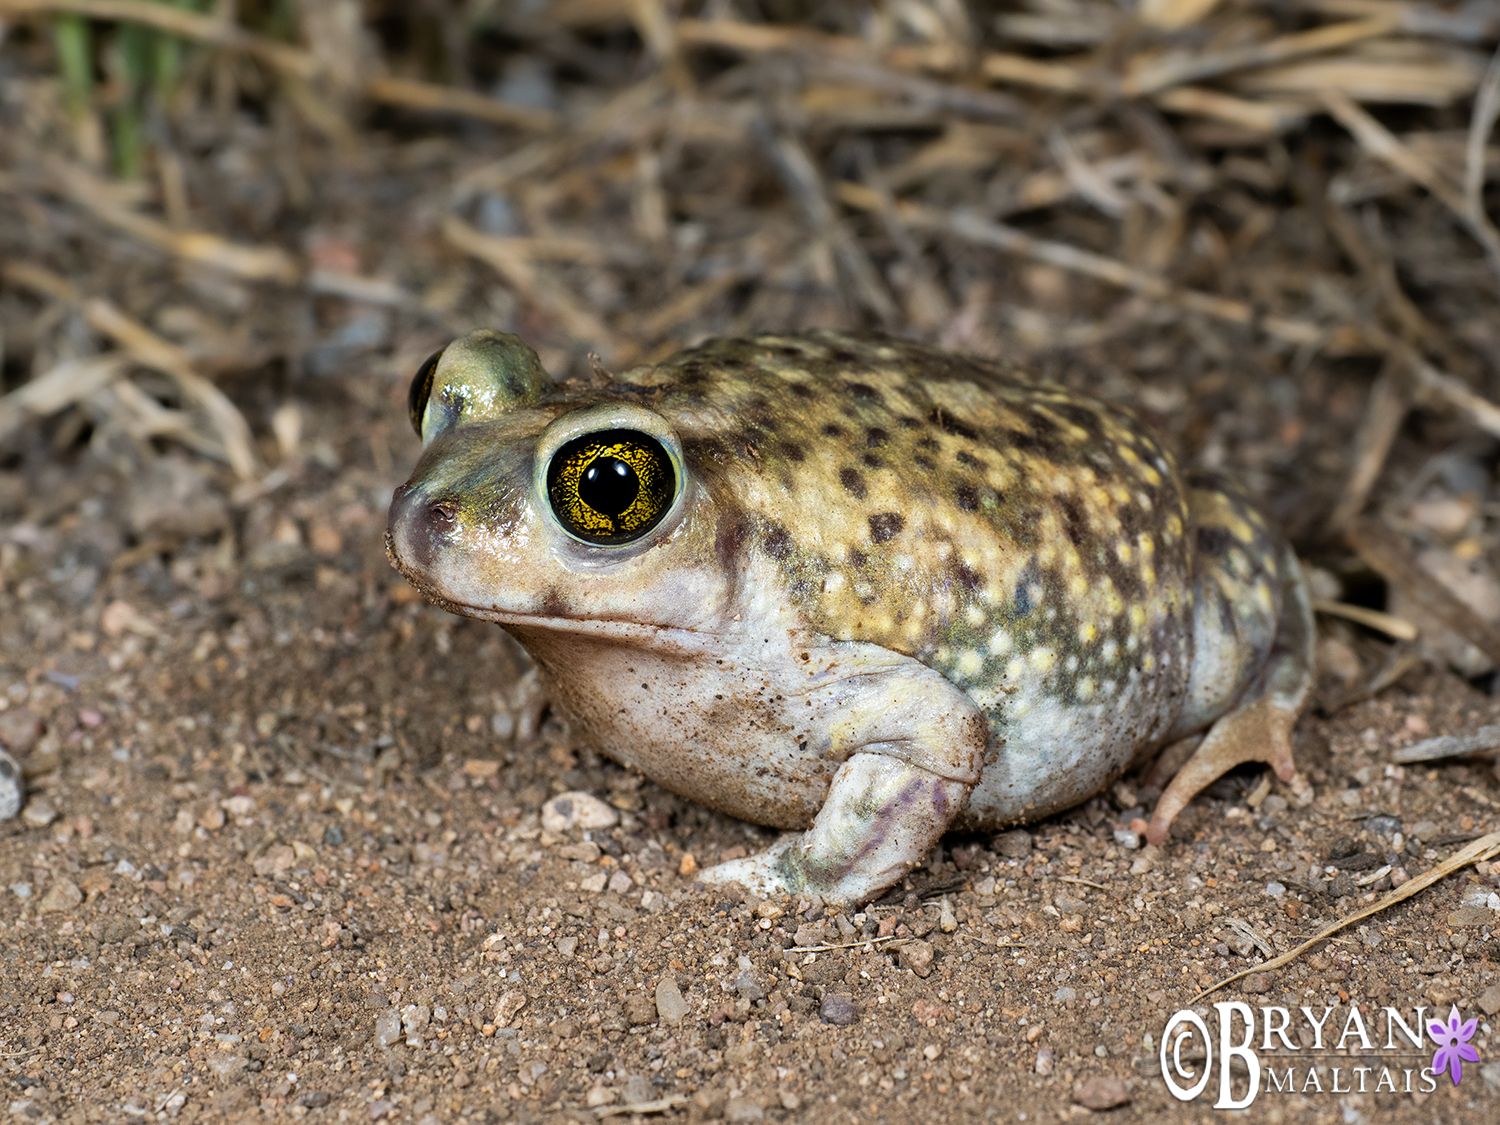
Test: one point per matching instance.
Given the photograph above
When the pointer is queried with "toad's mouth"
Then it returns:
(668, 638)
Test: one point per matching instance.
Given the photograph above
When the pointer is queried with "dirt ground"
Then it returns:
(292, 846)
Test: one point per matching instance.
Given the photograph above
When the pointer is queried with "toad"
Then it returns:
(860, 589)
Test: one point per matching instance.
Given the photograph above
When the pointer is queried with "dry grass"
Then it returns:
(1264, 223)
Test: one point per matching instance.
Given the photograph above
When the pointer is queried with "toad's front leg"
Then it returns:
(914, 746)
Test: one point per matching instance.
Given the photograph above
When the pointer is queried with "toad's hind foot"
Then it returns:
(1258, 732)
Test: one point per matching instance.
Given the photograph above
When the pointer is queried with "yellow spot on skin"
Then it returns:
(1137, 618)
(1015, 668)
(1042, 660)
(970, 664)
(1087, 633)
(1000, 643)
(1086, 688)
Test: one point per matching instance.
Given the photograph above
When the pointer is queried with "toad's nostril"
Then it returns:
(443, 511)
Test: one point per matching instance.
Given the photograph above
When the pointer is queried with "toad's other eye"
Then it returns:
(611, 487)
(421, 390)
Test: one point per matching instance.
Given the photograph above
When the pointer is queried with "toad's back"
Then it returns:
(1028, 543)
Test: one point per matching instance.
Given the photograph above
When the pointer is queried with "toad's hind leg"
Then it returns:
(1253, 643)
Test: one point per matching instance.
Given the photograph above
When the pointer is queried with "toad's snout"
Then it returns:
(420, 528)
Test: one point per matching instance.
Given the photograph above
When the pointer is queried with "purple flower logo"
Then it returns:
(1452, 1039)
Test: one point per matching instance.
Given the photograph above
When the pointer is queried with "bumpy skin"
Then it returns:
(900, 589)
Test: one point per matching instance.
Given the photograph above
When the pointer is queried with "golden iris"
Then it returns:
(611, 487)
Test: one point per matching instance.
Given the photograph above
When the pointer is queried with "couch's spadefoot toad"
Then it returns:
(863, 588)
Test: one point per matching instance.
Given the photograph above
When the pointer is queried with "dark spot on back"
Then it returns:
(1213, 541)
(923, 462)
(843, 355)
(776, 541)
(853, 483)
(832, 429)
(951, 425)
(968, 580)
(864, 392)
(928, 443)
(966, 458)
(802, 390)
(875, 437)
(872, 461)
(967, 496)
(1074, 522)
(1080, 416)
(792, 451)
(886, 525)
(856, 557)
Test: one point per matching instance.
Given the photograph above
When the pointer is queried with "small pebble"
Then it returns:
(583, 811)
(1275, 889)
(388, 1027)
(1044, 1061)
(1015, 844)
(916, 956)
(1101, 1092)
(745, 982)
(12, 788)
(19, 730)
(63, 895)
(671, 1008)
(947, 919)
(507, 1007)
(838, 1009)
(1127, 839)
(39, 812)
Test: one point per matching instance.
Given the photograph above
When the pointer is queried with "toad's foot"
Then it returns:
(1258, 732)
(881, 817)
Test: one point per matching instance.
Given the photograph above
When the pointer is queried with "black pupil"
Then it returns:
(609, 486)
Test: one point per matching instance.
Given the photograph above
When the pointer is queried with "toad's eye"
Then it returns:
(421, 390)
(611, 487)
